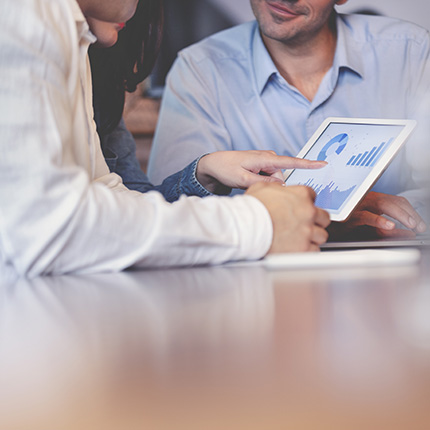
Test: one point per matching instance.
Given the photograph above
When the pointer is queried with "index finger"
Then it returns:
(285, 162)
(269, 163)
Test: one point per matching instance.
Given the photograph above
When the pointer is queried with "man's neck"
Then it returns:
(305, 64)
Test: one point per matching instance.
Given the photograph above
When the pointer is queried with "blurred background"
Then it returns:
(188, 21)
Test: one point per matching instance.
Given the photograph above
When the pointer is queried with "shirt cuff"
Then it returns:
(189, 183)
(254, 225)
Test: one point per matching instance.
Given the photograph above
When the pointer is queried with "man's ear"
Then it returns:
(339, 2)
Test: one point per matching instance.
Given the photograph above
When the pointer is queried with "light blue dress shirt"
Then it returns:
(225, 93)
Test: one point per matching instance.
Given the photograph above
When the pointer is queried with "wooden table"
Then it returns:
(218, 348)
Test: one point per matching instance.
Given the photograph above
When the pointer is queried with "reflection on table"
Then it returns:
(217, 348)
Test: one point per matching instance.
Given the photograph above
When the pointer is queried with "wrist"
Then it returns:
(207, 179)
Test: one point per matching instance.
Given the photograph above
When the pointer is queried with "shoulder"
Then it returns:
(233, 43)
(365, 28)
(40, 34)
(42, 22)
(41, 11)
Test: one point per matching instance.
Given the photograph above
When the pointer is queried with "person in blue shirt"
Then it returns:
(268, 84)
(119, 63)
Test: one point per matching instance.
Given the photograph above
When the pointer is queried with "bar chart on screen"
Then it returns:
(369, 158)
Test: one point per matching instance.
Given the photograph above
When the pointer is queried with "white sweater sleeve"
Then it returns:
(60, 210)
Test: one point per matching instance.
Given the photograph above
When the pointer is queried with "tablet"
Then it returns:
(357, 152)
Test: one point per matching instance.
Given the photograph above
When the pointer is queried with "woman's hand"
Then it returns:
(298, 226)
(223, 170)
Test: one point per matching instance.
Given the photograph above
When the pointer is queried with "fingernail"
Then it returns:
(422, 227)
(412, 223)
(389, 225)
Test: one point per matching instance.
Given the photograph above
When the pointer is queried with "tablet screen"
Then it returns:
(351, 151)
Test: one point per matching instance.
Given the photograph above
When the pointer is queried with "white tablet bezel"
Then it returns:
(377, 170)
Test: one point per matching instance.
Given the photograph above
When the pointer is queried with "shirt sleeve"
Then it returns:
(190, 123)
(56, 216)
(119, 150)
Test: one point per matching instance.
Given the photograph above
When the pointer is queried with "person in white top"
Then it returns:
(61, 211)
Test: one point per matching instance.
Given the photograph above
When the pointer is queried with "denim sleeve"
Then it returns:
(183, 182)
(119, 150)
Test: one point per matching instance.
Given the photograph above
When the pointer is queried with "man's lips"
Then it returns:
(281, 9)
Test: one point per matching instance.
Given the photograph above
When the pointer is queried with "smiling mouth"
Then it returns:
(281, 9)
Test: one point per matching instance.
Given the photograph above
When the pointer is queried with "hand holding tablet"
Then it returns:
(357, 152)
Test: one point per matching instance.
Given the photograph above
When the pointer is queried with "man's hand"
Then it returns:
(241, 169)
(367, 222)
(298, 225)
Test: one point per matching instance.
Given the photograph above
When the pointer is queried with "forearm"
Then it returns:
(112, 229)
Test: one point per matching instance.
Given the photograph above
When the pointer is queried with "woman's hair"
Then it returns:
(123, 66)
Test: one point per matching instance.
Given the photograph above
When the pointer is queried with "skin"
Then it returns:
(369, 215)
(241, 169)
(302, 44)
(298, 226)
(113, 11)
(106, 32)
(294, 22)
(104, 16)
(298, 36)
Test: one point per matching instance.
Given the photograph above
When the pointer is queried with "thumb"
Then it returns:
(250, 178)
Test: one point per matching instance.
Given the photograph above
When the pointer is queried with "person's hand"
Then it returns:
(241, 169)
(298, 225)
(367, 220)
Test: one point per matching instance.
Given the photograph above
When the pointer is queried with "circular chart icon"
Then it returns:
(334, 146)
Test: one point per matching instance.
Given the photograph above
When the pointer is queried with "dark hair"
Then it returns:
(123, 66)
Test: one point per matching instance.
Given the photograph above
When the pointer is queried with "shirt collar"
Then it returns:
(348, 55)
(264, 66)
